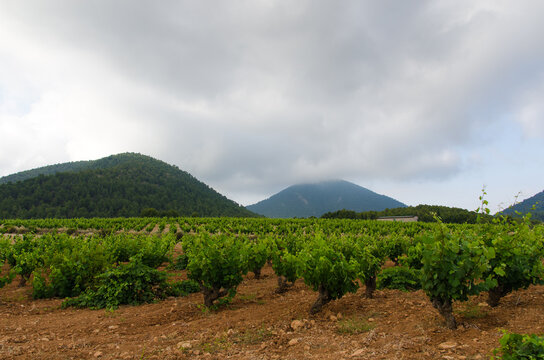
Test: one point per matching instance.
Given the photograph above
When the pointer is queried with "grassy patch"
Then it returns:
(215, 345)
(251, 298)
(354, 325)
(472, 312)
(252, 336)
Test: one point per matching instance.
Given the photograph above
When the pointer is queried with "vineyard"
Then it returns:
(169, 288)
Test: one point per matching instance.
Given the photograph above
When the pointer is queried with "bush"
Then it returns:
(453, 265)
(179, 263)
(518, 259)
(126, 284)
(283, 252)
(399, 278)
(258, 253)
(394, 247)
(152, 250)
(217, 263)
(371, 259)
(182, 288)
(26, 255)
(5, 249)
(70, 265)
(520, 347)
(330, 267)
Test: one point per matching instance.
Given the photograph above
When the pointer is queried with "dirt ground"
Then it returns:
(260, 324)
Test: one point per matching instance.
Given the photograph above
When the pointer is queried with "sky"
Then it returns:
(424, 101)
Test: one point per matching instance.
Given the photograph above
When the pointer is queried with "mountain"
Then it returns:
(305, 200)
(75, 166)
(527, 206)
(120, 185)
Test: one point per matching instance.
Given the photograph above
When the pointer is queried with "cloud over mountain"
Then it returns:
(252, 96)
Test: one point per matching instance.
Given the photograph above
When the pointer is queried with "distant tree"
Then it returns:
(423, 212)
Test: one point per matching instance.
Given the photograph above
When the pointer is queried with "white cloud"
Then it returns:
(254, 96)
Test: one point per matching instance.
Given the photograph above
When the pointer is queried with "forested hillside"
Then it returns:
(117, 186)
(423, 212)
(73, 166)
(527, 206)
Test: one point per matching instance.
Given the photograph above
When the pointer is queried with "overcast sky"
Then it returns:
(423, 101)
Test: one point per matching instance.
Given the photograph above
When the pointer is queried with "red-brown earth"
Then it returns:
(261, 324)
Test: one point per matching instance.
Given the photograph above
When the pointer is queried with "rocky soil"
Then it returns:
(260, 324)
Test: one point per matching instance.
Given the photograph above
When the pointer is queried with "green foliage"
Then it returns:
(413, 256)
(217, 263)
(449, 215)
(453, 264)
(371, 257)
(258, 252)
(117, 186)
(520, 347)
(333, 256)
(70, 267)
(179, 263)
(323, 263)
(400, 278)
(518, 254)
(5, 250)
(8, 278)
(126, 284)
(331, 267)
(285, 263)
(533, 205)
(354, 325)
(153, 250)
(182, 288)
(283, 253)
(517, 263)
(152, 212)
(26, 255)
(394, 247)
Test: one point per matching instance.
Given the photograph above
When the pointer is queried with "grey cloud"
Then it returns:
(250, 95)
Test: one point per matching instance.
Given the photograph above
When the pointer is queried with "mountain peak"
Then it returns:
(315, 199)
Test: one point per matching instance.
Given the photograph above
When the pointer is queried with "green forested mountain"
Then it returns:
(527, 206)
(74, 166)
(116, 186)
(424, 213)
(307, 200)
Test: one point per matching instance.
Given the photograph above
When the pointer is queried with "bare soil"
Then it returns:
(261, 324)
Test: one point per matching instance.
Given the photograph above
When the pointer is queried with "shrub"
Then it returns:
(182, 288)
(217, 263)
(453, 265)
(285, 263)
(371, 260)
(5, 250)
(258, 252)
(26, 255)
(125, 284)
(330, 267)
(70, 267)
(520, 347)
(153, 250)
(400, 278)
(179, 263)
(394, 247)
(518, 259)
